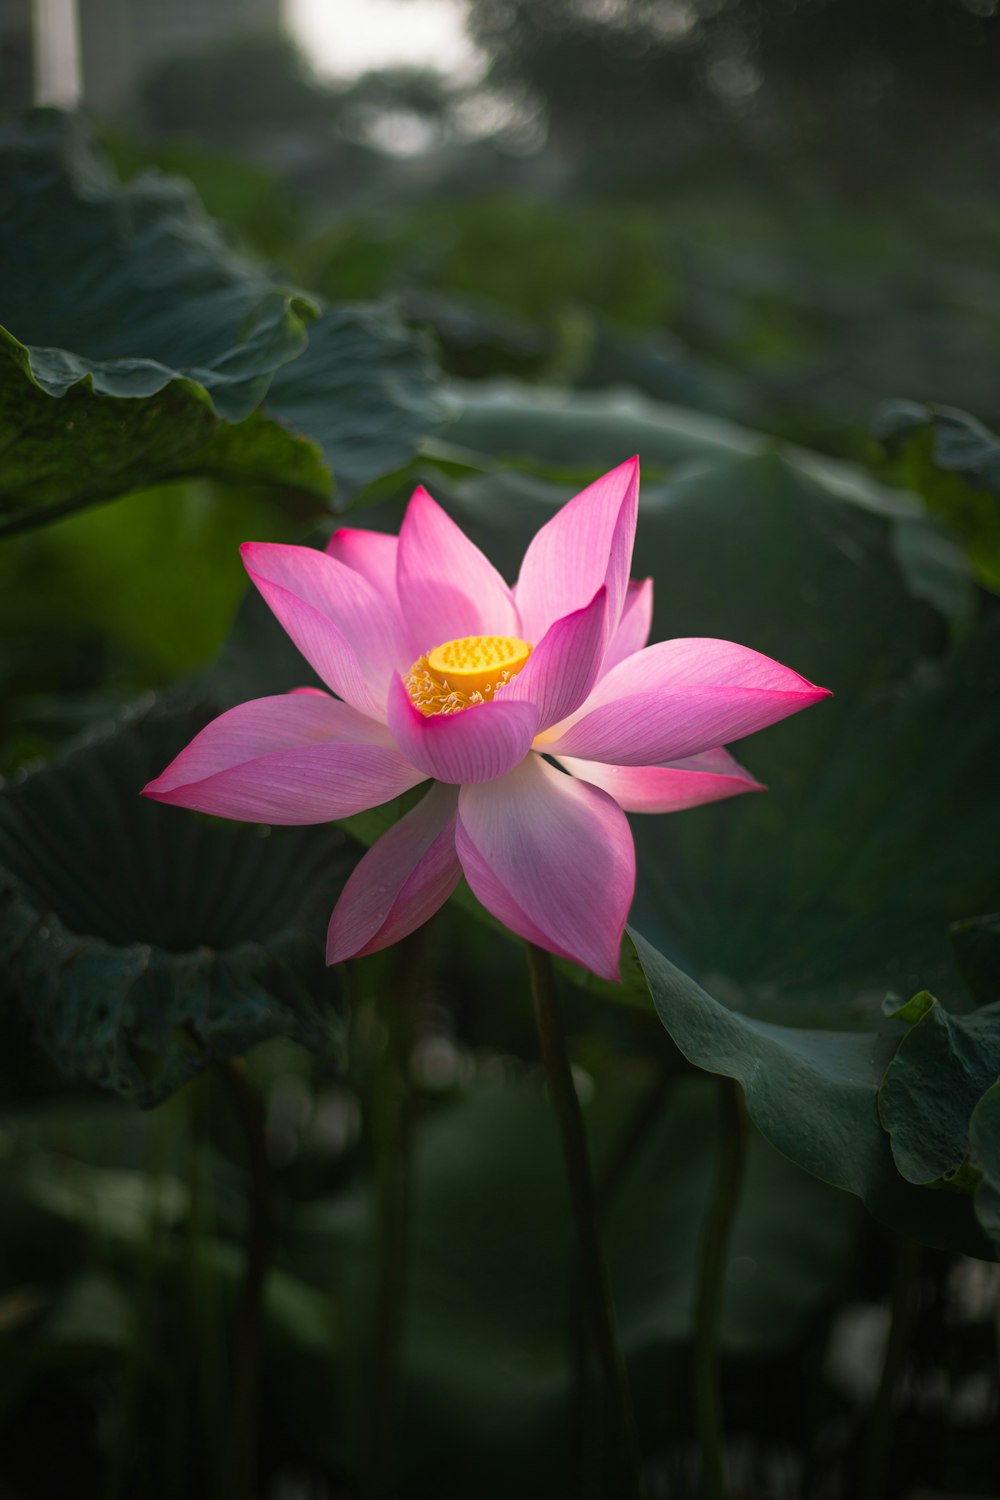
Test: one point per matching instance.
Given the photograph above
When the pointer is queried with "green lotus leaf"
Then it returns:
(941, 1069)
(139, 346)
(953, 462)
(984, 1136)
(812, 1094)
(144, 944)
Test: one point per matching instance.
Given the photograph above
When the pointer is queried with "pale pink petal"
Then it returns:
(561, 671)
(287, 759)
(447, 588)
(634, 625)
(400, 882)
(552, 858)
(370, 553)
(335, 617)
(709, 777)
(588, 542)
(475, 744)
(677, 698)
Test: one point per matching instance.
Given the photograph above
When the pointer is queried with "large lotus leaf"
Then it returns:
(984, 1136)
(813, 1094)
(939, 1072)
(144, 944)
(577, 434)
(139, 346)
(487, 1352)
(364, 390)
(953, 461)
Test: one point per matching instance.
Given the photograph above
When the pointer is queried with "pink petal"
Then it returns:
(336, 618)
(295, 758)
(588, 542)
(561, 671)
(677, 698)
(400, 882)
(709, 777)
(447, 588)
(370, 553)
(475, 744)
(634, 625)
(553, 859)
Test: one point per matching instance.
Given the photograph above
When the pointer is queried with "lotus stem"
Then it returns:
(244, 1417)
(877, 1453)
(711, 1290)
(391, 1129)
(594, 1274)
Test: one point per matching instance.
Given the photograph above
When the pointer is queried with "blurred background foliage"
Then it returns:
(757, 241)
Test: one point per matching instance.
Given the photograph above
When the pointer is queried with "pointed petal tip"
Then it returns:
(166, 796)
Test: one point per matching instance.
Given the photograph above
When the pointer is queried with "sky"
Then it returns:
(347, 37)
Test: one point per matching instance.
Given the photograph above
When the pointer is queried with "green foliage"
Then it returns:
(941, 1069)
(953, 462)
(141, 347)
(487, 1353)
(812, 1093)
(752, 293)
(984, 1135)
(144, 945)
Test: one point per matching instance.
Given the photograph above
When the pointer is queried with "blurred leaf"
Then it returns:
(145, 944)
(570, 434)
(953, 462)
(568, 437)
(141, 347)
(940, 1070)
(812, 1094)
(125, 597)
(112, 1203)
(91, 1311)
(363, 390)
(984, 1135)
(137, 336)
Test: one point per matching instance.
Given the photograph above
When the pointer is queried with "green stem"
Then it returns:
(594, 1273)
(244, 1417)
(877, 1452)
(711, 1288)
(391, 1142)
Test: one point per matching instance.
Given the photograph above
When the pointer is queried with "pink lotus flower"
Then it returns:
(443, 673)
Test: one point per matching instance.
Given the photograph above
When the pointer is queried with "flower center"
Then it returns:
(463, 672)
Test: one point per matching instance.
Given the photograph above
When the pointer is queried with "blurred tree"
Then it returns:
(251, 84)
(397, 102)
(831, 68)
